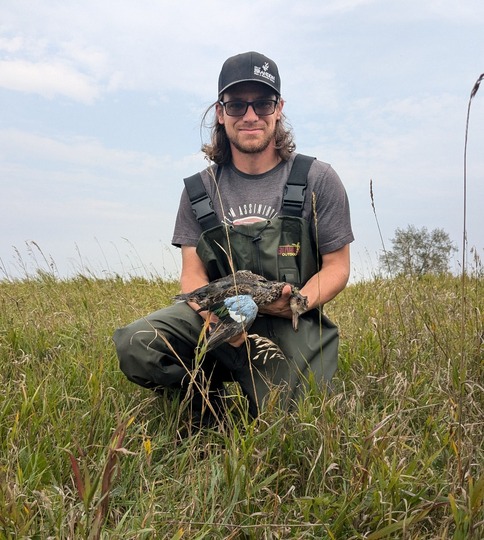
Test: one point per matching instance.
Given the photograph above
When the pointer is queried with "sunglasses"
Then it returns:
(262, 107)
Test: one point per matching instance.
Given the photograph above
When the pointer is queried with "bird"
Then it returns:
(235, 315)
(244, 282)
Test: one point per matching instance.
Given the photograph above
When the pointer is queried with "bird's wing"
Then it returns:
(236, 314)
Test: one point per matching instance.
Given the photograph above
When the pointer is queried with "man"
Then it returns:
(297, 233)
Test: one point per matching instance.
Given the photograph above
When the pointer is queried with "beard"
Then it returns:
(251, 147)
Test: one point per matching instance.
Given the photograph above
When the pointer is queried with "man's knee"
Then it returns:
(153, 357)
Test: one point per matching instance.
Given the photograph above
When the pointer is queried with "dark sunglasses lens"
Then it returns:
(236, 108)
(262, 107)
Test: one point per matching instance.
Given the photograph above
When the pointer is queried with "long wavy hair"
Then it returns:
(218, 149)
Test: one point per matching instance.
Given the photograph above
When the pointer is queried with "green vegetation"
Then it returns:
(396, 451)
(418, 252)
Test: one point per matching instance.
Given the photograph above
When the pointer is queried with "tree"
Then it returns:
(418, 252)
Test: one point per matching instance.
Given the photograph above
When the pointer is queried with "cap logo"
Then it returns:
(264, 73)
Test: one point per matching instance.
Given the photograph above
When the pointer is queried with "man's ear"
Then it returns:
(219, 110)
(280, 106)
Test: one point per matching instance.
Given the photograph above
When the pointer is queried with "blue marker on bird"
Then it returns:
(236, 315)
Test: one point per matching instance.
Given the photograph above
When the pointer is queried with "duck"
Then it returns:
(245, 283)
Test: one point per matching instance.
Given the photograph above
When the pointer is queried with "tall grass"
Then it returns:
(86, 454)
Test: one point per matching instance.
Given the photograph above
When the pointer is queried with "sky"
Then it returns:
(101, 103)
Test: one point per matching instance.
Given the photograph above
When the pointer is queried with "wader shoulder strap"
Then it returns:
(201, 203)
(292, 203)
(295, 189)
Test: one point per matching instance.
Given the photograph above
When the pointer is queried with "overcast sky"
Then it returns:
(101, 103)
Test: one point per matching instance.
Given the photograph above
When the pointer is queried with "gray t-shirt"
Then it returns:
(240, 198)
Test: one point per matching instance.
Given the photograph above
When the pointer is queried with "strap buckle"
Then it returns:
(202, 207)
(294, 195)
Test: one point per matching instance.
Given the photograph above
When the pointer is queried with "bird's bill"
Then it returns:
(295, 320)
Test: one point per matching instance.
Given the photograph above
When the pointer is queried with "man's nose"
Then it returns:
(250, 113)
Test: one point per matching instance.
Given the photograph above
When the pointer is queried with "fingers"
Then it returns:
(236, 341)
(286, 291)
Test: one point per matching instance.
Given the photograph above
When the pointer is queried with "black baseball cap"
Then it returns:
(249, 66)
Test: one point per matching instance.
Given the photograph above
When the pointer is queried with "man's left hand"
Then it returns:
(280, 307)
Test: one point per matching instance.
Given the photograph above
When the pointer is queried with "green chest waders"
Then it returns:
(281, 249)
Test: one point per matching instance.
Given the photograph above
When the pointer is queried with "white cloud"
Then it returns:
(16, 145)
(48, 79)
(11, 45)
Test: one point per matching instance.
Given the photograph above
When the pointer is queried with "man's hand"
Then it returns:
(238, 340)
(280, 307)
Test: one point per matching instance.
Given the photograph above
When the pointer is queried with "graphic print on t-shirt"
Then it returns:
(250, 213)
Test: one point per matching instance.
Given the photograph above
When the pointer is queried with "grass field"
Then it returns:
(396, 451)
